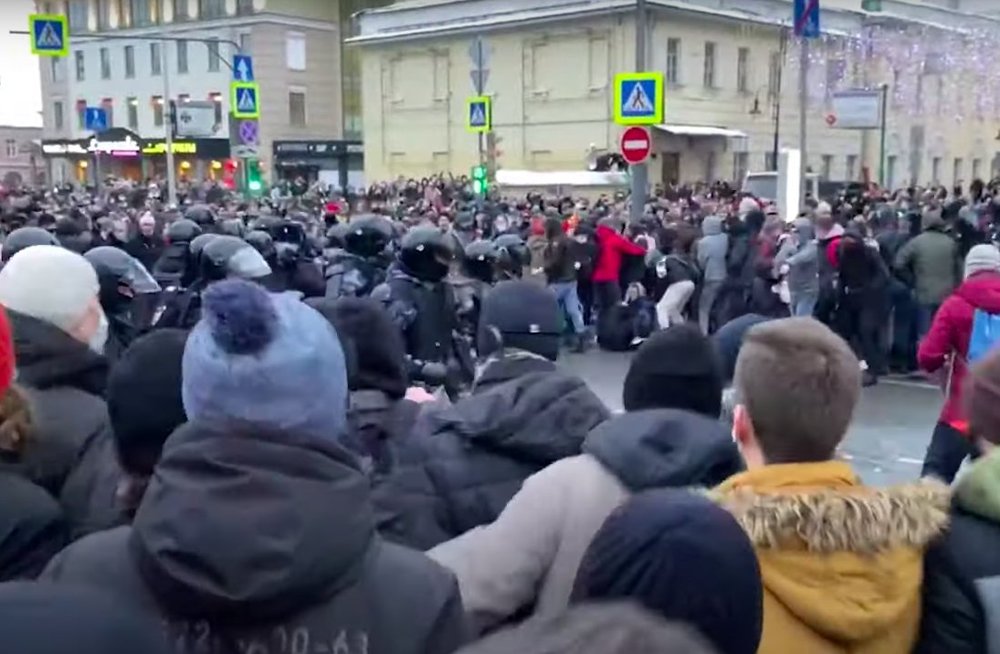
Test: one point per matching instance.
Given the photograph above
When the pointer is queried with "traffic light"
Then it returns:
(479, 181)
(254, 184)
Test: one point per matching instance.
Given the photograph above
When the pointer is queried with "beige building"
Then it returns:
(731, 83)
(20, 156)
(296, 49)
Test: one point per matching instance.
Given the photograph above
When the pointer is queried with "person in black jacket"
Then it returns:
(147, 245)
(962, 569)
(51, 296)
(463, 462)
(862, 306)
(256, 533)
(560, 274)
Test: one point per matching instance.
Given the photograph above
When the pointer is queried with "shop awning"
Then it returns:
(701, 130)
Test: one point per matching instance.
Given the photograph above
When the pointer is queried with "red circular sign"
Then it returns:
(636, 145)
(831, 119)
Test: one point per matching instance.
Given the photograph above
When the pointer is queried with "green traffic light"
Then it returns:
(254, 185)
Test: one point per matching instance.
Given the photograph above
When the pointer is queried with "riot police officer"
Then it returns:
(361, 266)
(294, 265)
(174, 269)
(512, 256)
(203, 216)
(422, 305)
(479, 263)
(25, 237)
(123, 280)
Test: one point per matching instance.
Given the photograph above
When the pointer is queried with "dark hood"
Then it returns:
(536, 416)
(982, 291)
(250, 526)
(48, 357)
(664, 448)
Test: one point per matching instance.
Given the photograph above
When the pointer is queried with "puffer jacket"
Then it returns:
(71, 453)
(711, 250)
(528, 558)
(253, 541)
(462, 463)
(932, 261)
(961, 590)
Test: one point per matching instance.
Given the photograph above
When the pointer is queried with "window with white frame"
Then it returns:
(774, 76)
(129, 61)
(827, 167)
(154, 59)
(57, 114)
(852, 167)
(213, 55)
(297, 107)
(708, 72)
(132, 108)
(295, 50)
(81, 65)
(957, 170)
(157, 102)
(673, 71)
(10, 146)
(182, 57)
(743, 70)
(105, 64)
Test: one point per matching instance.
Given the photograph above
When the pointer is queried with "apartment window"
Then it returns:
(936, 170)
(104, 14)
(211, 8)
(708, 73)
(157, 110)
(55, 66)
(154, 59)
(129, 61)
(743, 70)
(890, 171)
(57, 114)
(741, 165)
(244, 7)
(181, 10)
(140, 10)
(295, 50)
(81, 65)
(108, 104)
(710, 163)
(81, 114)
(213, 56)
(245, 41)
(105, 64)
(183, 98)
(957, 170)
(132, 105)
(977, 165)
(852, 167)
(297, 108)
(216, 99)
(827, 169)
(673, 61)
(774, 75)
(10, 145)
(78, 15)
(182, 57)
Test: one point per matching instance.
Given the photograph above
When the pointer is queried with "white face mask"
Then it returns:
(100, 337)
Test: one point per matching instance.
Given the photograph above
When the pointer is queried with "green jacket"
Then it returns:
(932, 262)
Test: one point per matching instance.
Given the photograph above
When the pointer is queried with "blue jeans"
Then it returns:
(569, 302)
(803, 304)
(925, 316)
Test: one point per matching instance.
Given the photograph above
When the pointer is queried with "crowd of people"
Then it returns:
(345, 426)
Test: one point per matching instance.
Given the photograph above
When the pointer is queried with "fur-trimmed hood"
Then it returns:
(841, 562)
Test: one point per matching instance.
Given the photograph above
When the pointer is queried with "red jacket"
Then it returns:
(950, 333)
(611, 246)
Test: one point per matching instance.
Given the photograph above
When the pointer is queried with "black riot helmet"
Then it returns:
(368, 235)
(227, 256)
(262, 242)
(202, 215)
(426, 253)
(512, 255)
(480, 260)
(121, 276)
(182, 231)
(336, 236)
(232, 227)
(25, 237)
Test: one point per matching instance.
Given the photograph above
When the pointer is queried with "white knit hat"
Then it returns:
(49, 283)
(981, 258)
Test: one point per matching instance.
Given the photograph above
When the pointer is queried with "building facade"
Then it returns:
(296, 52)
(20, 156)
(731, 71)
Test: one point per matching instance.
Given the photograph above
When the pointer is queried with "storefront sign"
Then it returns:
(179, 147)
(126, 147)
(316, 149)
(62, 148)
(119, 142)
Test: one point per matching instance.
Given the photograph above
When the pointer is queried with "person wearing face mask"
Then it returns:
(52, 299)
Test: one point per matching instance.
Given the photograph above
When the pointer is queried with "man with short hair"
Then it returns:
(841, 563)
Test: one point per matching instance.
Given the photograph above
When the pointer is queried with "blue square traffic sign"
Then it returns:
(478, 115)
(95, 119)
(244, 98)
(243, 68)
(806, 18)
(638, 98)
(49, 35)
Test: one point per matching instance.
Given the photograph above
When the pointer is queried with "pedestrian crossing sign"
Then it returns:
(244, 97)
(49, 35)
(479, 114)
(638, 98)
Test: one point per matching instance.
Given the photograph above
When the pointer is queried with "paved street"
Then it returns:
(886, 443)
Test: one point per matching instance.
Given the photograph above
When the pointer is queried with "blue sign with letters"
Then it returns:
(95, 119)
(243, 68)
(806, 18)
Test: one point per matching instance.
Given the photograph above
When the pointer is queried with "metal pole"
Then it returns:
(639, 172)
(168, 126)
(881, 148)
(803, 117)
(782, 49)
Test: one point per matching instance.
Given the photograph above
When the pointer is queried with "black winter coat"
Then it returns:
(32, 528)
(259, 542)
(72, 453)
(463, 463)
(379, 424)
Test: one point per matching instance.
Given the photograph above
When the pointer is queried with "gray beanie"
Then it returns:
(982, 258)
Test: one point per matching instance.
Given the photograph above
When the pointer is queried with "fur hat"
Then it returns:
(266, 360)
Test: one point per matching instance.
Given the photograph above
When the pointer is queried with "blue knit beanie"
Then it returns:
(265, 360)
(684, 558)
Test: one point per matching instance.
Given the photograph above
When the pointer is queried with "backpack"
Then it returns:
(985, 335)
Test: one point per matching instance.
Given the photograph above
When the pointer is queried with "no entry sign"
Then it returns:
(636, 145)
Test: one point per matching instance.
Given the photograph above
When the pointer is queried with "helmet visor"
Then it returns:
(139, 279)
(248, 263)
